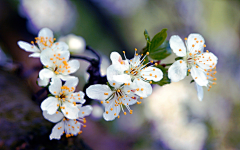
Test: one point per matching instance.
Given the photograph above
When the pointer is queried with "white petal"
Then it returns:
(56, 132)
(53, 118)
(36, 55)
(46, 73)
(50, 105)
(74, 66)
(71, 123)
(124, 78)
(45, 32)
(152, 73)
(144, 88)
(55, 87)
(199, 91)
(43, 82)
(177, 71)
(62, 46)
(199, 76)
(177, 45)
(113, 70)
(116, 58)
(192, 40)
(46, 56)
(112, 114)
(78, 97)
(66, 77)
(85, 111)
(28, 47)
(207, 61)
(130, 100)
(98, 92)
(71, 82)
(70, 111)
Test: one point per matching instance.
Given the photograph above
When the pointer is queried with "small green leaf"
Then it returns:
(161, 52)
(165, 79)
(192, 81)
(178, 58)
(158, 39)
(146, 36)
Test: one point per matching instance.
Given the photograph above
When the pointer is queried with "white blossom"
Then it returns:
(64, 98)
(70, 127)
(134, 72)
(113, 98)
(201, 65)
(45, 41)
(57, 64)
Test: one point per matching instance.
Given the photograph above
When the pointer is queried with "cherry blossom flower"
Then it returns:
(57, 65)
(44, 40)
(71, 127)
(114, 98)
(194, 59)
(134, 72)
(64, 98)
(200, 64)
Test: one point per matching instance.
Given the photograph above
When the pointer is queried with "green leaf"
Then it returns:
(192, 81)
(165, 79)
(147, 36)
(161, 52)
(158, 39)
(178, 58)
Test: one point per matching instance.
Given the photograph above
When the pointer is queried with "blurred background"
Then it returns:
(172, 118)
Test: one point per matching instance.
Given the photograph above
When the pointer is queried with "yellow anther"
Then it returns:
(106, 112)
(150, 82)
(150, 74)
(135, 49)
(151, 61)
(51, 58)
(111, 109)
(180, 61)
(114, 83)
(137, 89)
(141, 97)
(125, 113)
(118, 116)
(204, 45)
(196, 66)
(107, 102)
(101, 102)
(128, 83)
(193, 45)
(124, 52)
(195, 38)
(180, 50)
(185, 38)
(105, 93)
(189, 70)
(156, 64)
(142, 89)
(147, 53)
(56, 112)
(155, 76)
(66, 113)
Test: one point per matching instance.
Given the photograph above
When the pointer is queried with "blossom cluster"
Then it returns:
(128, 80)
(62, 106)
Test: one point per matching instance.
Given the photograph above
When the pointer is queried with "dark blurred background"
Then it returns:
(172, 118)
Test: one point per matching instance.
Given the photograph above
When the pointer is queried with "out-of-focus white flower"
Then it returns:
(113, 98)
(70, 127)
(200, 64)
(64, 98)
(57, 65)
(134, 72)
(58, 15)
(76, 44)
(44, 40)
(97, 111)
(170, 117)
